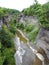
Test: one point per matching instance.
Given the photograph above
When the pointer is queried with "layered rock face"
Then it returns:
(42, 43)
(28, 19)
(42, 47)
(25, 58)
(6, 20)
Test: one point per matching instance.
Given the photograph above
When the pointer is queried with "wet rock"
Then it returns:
(27, 57)
(42, 42)
(42, 47)
(1, 23)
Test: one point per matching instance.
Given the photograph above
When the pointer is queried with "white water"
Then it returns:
(40, 56)
(21, 51)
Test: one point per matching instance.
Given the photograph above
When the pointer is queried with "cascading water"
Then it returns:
(40, 56)
(20, 50)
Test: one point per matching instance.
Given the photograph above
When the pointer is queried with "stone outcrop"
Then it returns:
(27, 57)
(27, 19)
(42, 43)
(1, 23)
(42, 47)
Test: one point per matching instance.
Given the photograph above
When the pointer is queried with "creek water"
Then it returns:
(39, 56)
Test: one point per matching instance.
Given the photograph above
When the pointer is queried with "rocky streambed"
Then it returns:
(41, 45)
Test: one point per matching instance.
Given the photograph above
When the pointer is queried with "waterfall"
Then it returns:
(21, 51)
(40, 56)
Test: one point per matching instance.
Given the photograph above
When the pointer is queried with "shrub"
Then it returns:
(20, 25)
(29, 28)
(6, 36)
(33, 35)
(12, 27)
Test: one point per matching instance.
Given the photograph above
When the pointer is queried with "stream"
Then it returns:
(25, 53)
(28, 53)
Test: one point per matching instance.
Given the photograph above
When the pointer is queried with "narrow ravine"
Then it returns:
(20, 51)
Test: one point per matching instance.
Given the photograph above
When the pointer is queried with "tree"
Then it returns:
(12, 27)
(20, 25)
(6, 36)
(29, 28)
(44, 18)
(36, 1)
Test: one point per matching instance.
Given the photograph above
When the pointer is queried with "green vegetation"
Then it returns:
(32, 35)
(7, 33)
(40, 11)
(33, 10)
(20, 25)
(28, 28)
(6, 47)
(6, 12)
(6, 36)
(12, 27)
(44, 18)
